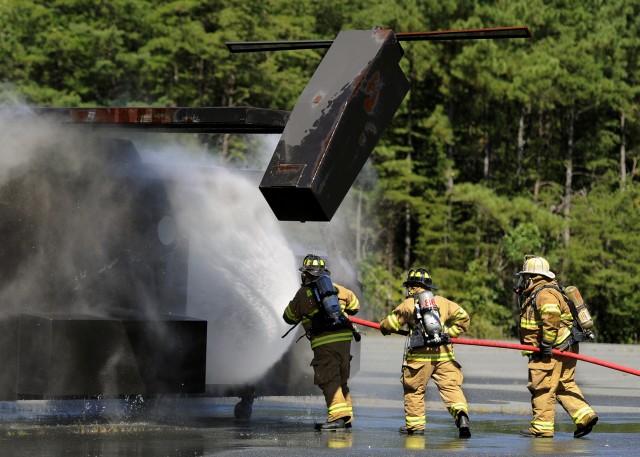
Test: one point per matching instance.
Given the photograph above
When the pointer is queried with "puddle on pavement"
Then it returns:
(287, 429)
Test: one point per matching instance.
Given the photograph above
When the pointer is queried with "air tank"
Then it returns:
(584, 317)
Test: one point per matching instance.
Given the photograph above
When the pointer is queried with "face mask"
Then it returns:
(410, 291)
(407, 294)
(523, 283)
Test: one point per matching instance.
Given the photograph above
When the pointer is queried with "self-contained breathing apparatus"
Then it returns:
(330, 315)
(428, 329)
(582, 322)
(581, 328)
(579, 311)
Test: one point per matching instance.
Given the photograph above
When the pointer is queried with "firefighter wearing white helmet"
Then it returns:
(431, 320)
(546, 321)
(320, 305)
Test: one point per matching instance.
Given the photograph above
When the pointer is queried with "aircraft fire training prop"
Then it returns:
(341, 114)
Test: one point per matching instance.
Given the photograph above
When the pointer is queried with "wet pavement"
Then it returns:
(495, 386)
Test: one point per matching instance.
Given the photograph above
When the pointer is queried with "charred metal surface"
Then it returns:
(335, 125)
(9, 333)
(83, 355)
(177, 120)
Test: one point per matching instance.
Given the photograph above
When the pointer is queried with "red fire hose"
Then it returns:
(520, 347)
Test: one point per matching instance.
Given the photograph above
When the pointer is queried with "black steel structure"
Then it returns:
(334, 126)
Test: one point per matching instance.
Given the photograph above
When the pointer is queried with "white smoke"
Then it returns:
(243, 263)
(54, 213)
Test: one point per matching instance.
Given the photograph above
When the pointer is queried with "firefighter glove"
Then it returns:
(384, 331)
(545, 350)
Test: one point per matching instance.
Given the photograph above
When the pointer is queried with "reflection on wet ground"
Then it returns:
(283, 426)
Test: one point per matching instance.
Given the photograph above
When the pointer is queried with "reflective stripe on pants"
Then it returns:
(331, 367)
(552, 379)
(448, 378)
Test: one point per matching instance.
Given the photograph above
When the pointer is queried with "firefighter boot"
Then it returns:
(586, 429)
(411, 431)
(462, 422)
(337, 424)
(529, 433)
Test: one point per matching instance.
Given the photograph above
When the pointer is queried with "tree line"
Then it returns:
(501, 148)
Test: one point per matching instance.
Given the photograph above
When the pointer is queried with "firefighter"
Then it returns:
(429, 353)
(321, 306)
(546, 321)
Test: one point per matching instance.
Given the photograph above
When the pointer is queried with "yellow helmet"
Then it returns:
(314, 265)
(536, 266)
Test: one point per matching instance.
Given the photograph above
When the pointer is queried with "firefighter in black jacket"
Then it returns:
(321, 306)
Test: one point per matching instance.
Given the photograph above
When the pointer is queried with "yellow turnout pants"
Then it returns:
(448, 378)
(551, 379)
(331, 368)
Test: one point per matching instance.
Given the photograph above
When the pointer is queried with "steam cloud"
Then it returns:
(97, 226)
(78, 225)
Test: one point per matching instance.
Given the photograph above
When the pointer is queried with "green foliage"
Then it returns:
(605, 258)
(382, 289)
(526, 238)
(479, 294)
(76, 49)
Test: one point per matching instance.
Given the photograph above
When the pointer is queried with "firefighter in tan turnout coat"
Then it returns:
(546, 321)
(320, 306)
(431, 320)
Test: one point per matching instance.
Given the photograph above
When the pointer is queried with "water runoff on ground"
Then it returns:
(495, 386)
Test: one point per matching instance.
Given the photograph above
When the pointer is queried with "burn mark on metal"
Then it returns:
(372, 92)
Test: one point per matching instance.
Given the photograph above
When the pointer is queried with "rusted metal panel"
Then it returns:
(491, 33)
(177, 120)
(335, 124)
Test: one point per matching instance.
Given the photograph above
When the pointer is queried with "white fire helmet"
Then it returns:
(536, 266)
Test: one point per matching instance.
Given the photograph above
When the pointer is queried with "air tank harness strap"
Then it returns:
(577, 334)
